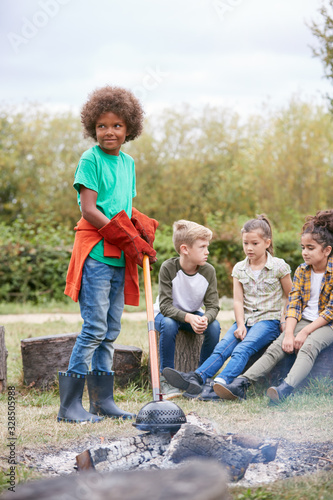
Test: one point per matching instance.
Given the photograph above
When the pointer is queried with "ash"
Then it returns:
(292, 459)
(142, 451)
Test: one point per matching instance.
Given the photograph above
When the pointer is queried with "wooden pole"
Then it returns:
(153, 353)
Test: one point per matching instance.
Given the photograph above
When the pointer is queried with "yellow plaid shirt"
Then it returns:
(300, 293)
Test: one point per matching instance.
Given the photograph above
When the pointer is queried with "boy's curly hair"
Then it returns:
(119, 101)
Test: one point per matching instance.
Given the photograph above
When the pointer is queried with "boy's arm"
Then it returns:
(211, 299)
(90, 212)
(165, 296)
(118, 231)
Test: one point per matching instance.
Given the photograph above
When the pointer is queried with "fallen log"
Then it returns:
(43, 357)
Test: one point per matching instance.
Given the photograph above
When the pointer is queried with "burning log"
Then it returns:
(130, 452)
(267, 450)
(191, 441)
(198, 439)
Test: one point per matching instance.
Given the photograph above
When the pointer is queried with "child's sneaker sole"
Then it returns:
(223, 392)
(172, 395)
(273, 395)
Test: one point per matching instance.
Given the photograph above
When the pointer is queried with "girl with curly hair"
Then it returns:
(309, 316)
(111, 239)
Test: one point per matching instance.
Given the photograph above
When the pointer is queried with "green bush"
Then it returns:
(34, 259)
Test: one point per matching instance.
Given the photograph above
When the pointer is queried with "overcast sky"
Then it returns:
(234, 53)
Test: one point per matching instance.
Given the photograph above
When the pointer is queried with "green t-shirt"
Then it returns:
(113, 178)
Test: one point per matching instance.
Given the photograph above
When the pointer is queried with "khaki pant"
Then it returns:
(307, 355)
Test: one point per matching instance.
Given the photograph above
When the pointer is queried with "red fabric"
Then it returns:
(121, 232)
(145, 225)
(86, 237)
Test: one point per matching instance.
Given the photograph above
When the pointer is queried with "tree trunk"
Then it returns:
(187, 354)
(187, 351)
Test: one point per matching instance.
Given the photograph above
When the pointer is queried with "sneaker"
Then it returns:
(279, 393)
(236, 390)
(207, 393)
(190, 382)
(168, 390)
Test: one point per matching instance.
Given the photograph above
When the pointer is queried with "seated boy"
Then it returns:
(186, 283)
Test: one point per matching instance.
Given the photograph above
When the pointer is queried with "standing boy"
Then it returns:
(186, 283)
(102, 273)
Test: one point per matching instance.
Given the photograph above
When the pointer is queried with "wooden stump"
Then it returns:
(187, 352)
(3, 360)
(43, 357)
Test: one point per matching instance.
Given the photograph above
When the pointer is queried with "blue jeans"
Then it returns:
(168, 329)
(258, 336)
(101, 303)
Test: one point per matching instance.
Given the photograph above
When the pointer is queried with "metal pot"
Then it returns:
(160, 416)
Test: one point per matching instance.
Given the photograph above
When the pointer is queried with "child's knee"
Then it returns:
(214, 328)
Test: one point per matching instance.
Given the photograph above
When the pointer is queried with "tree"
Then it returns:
(39, 152)
(324, 34)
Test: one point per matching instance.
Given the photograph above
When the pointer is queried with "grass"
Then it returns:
(298, 419)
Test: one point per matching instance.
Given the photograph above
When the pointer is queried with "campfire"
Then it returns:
(249, 460)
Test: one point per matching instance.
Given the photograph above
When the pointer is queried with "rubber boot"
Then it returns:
(71, 387)
(100, 388)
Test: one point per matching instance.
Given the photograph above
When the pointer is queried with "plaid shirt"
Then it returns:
(300, 293)
(263, 298)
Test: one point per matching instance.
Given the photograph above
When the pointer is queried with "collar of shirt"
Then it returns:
(245, 266)
(329, 267)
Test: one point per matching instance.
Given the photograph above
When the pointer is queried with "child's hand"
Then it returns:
(300, 339)
(240, 332)
(288, 343)
(198, 323)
